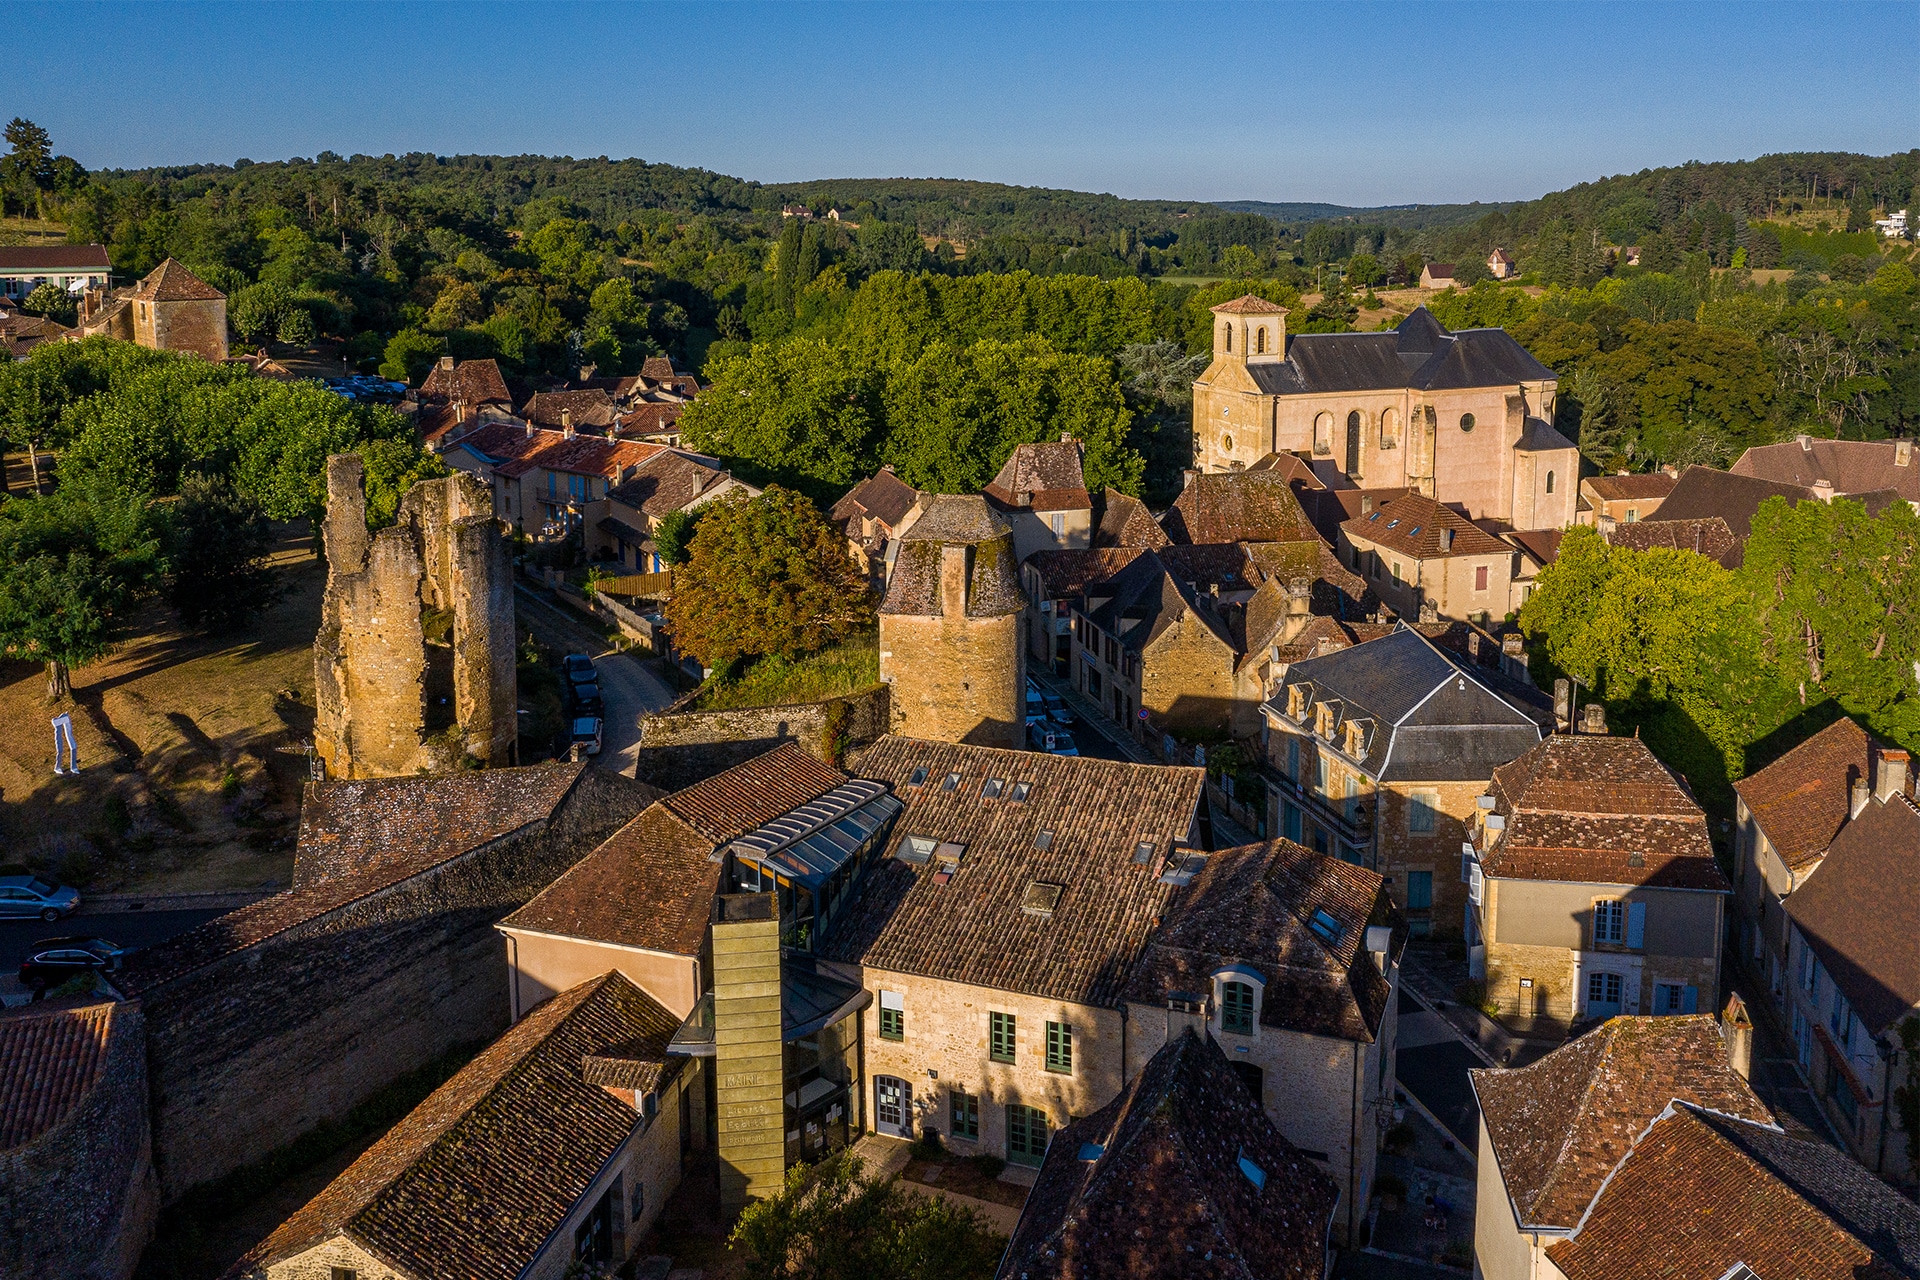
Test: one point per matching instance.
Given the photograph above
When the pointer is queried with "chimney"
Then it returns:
(1429, 611)
(566, 423)
(1806, 443)
(1861, 794)
(1323, 646)
(1446, 539)
(1593, 719)
(953, 579)
(1823, 489)
(1513, 644)
(1562, 704)
(1186, 477)
(1892, 779)
(1736, 1028)
(530, 428)
(1903, 453)
(1366, 504)
(444, 364)
(1379, 943)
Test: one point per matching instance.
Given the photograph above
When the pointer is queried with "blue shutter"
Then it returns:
(1636, 924)
(1690, 1000)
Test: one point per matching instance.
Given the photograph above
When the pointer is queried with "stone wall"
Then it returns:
(679, 747)
(956, 678)
(266, 1043)
(78, 1202)
(446, 554)
(196, 325)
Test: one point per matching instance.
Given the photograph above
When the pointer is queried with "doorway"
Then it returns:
(892, 1107)
(1604, 994)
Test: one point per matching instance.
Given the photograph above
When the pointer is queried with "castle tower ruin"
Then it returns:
(414, 663)
(950, 628)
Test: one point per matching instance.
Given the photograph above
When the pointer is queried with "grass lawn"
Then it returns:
(772, 681)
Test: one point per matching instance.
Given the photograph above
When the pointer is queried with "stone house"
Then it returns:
(76, 1167)
(1437, 275)
(1378, 754)
(1463, 418)
(1552, 1133)
(1707, 511)
(1853, 977)
(547, 488)
(1592, 886)
(70, 268)
(171, 309)
(472, 383)
(952, 647)
(558, 1145)
(997, 935)
(1500, 265)
(1289, 961)
(589, 410)
(873, 514)
(1425, 560)
(1837, 468)
(621, 526)
(1159, 1153)
(1624, 498)
(253, 1038)
(20, 333)
(1041, 492)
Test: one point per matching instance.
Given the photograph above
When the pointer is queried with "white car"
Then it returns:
(587, 734)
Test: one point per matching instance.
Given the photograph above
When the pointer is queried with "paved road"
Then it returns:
(1093, 734)
(628, 688)
(130, 929)
(1431, 1061)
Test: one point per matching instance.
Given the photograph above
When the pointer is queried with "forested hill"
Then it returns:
(1392, 215)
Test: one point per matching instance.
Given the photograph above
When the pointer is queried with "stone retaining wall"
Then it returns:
(679, 747)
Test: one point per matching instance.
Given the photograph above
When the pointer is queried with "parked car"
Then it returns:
(586, 730)
(53, 960)
(1057, 709)
(24, 894)
(1058, 742)
(586, 700)
(577, 668)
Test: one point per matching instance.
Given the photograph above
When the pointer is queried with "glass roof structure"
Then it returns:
(809, 844)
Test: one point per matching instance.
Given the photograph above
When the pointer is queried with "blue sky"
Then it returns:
(1350, 103)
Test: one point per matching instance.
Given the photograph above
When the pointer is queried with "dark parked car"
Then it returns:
(1057, 709)
(25, 894)
(54, 960)
(577, 668)
(586, 700)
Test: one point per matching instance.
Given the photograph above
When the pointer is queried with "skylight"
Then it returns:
(1044, 840)
(1091, 1151)
(1393, 523)
(1041, 898)
(1373, 517)
(919, 776)
(1255, 1174)
(952, 783)
(1413, 531)
(1143, 852)
(1325, 926)
(1021, 790)
(991, 788)
(916, 849)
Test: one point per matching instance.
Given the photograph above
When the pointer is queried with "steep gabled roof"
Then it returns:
(476, 1179)
(1705, 1197)
(1250, 907)
(882, 496)
(1144, 600)
(1559, 1127)
(666, 482)
(1126, 522)
(975, 927)
(23, 258)
(1702, 492)
(1709, 536)
(588, 408)
(1860, 911)
(1415, 525)
(1651, 485)
(1850, 466)
(1238, 506)
(1155, 1185)
(1043, 477)
(471, 382)
(171, 282)
(1800, 800)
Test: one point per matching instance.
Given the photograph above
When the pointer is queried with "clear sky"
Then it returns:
(1349, 103)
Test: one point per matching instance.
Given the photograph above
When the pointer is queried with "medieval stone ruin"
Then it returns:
(414, 663)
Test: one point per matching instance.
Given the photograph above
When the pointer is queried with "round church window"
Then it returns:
(1226, 443)
(1466, 422)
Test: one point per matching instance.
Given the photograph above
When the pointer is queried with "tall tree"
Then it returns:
(68, 570)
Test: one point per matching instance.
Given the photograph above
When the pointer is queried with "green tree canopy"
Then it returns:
(68, 570)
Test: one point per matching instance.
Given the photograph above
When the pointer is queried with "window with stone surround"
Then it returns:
(1236, 1008)
(1060, 1047)
(1000, 1036)
(1421, 808)
(963, 1114)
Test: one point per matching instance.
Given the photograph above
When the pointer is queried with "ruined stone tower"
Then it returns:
(414, 663)
(950, 628)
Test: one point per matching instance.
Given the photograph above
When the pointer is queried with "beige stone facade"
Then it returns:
(1457, 586)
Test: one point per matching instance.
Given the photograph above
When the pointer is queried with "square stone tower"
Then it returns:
(950, 628)
(175, 310)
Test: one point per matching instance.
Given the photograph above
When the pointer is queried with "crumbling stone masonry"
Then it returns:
(393, 697)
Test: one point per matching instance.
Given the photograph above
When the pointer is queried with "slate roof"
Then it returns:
(882, 496)
(478, 1177)
(1800, 800)
(972, 929)
(1413, 525)
(1126, 522)
(171, 282)
(1701, 1194)
(1850, 466)
(371, 835)
(1042, 477)
(473, 382)
(914, 587)
(50, 1058)
(1559, 1126)
(1646, 486)
(651, 884)
(1425, 715)
(1237, 506)
(1420, 355)
(1250, 907)
(592, 408)
(1597, 809)
(666, 482)
(1165, 1194)
(23, 258)
(1860, 911)
(1710, 536)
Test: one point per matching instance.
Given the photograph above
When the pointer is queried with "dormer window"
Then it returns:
(1296, 700)
(1323, 721)
(952, 783)
(1236, 1008)
(1325, 927)
(1356, 744)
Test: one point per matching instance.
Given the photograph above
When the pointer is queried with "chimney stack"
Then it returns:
(1593, 719)
(444, 364)
(1186, 477)
(1892, 779)
(1446, 539)
(1736, 1028)
(1366, 504)
(953, 579)
(1861, 794)
(1806, 443)
(1429, 611)
(566, 423)
(1903, 453)
(1563, 704)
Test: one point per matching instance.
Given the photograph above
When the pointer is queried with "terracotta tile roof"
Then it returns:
(914, 587)
(1126, 522)
(1238, 506)
(972, 929)
(472, 382)
(1251, 906)
(1416, 526)
(1558, 1127)
(1709, 536)
(454, 814)
(591, 409)
(657, 368)
(1165, 1195)
(49, 1059)
(1043, 477)
(1249, 304)
(665, 483)
(1648, 485)
(24, 258)
(1850, 466)
(1800, 800)
(1603, 810)
(1541, 544)
(1331, 508)
(1291, 465)
(882, 496)
(1703, 491)
(171, 282)
(474, 1181)
(648, 419)
(503, 441)
(651, 884)
(1701, 1194)
(20, 333)
(582, 455)
(1066, 575)
(1860, 911)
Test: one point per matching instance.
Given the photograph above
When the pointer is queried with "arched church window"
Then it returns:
(1227, 334)
(1260, 347)
(1549, 482)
